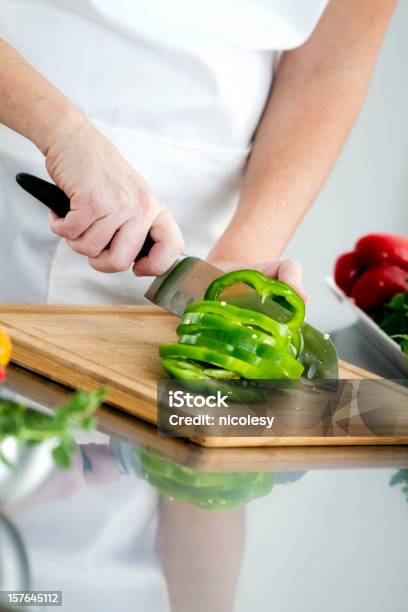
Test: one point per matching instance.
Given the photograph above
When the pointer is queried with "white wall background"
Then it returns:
(335, 542)
(368, 190)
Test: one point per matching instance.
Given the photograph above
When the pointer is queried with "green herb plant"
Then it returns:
(401, 478)
(30, 427)
(394, 320)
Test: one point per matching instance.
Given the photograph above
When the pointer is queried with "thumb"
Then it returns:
(290, 271)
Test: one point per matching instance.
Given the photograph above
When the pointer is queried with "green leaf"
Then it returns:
(393, 319)
(88, 423)
(61, 456)
(31, 427)
(395, 314)
(401, 478)
(402, 340)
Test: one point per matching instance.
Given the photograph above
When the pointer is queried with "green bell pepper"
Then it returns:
(258, 369)
(265, 287)
(257, 354)
(199, 378)
(248, 318)
(208, 490)
(222, 341)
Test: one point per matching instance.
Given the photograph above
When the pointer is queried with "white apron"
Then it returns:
(179, 88)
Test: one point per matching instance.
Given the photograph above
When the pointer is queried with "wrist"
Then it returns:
(63, 121)
(244, 243)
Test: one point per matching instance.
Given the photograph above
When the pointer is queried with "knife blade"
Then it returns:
(187, 280)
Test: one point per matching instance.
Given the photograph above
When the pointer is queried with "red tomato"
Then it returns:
(346, 271)
(377, 285)
(375, 249)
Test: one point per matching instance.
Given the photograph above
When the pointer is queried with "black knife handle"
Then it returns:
(47, 193)
(56, 200)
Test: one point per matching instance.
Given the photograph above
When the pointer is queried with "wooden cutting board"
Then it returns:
(86, 347)
(120, 426)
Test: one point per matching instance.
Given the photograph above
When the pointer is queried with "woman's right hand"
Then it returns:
(111, 205)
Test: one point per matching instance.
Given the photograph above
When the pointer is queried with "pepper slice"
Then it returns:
(288, 366)
(230, 326)
(247, 339)
(188, 370)
(239, 315)
(265, 287)
(219, 341)
(209, 490)
(200, 378)
(249, 318)
(261, 370)
(210, 498)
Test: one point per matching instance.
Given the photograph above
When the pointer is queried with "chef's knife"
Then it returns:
(187, 280)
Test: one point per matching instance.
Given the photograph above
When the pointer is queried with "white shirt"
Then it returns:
(178, 87)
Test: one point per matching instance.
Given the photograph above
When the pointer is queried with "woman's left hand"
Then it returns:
(286, 270)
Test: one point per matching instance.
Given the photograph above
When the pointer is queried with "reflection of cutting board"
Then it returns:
(92, 346)
(136, 433)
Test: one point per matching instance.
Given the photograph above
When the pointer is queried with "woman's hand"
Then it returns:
(111, 205)
(286, 270)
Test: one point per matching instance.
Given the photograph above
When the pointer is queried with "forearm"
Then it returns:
(318, 91)
(29, 104)
(111, 208)
(201, 553)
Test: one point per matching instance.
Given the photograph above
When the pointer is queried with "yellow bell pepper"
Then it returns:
(5, 348)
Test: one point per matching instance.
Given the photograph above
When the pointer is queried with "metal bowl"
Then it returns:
(32, 466)
(14, 568)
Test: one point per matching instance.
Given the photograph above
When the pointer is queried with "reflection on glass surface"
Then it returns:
(14, 573)
(105, 515)
(401, 478)
(208, 490)
(129, 528)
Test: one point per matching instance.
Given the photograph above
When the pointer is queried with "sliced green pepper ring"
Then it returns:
(207, 498)
(202, 379)
(238, 337)
(155, 464)
(256, 322)
(238, 315)
(220, 341)
(265, 287)
(211, 490)
(263, 370)
(230, 328)
(188, 370)
(288, 366)
(278, 364)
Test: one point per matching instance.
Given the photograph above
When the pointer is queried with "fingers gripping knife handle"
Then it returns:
(56, 200)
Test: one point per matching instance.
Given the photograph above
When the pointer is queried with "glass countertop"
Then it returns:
(156, 524)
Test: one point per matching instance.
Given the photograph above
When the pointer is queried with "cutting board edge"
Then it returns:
(8, 307)
(237, 442)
